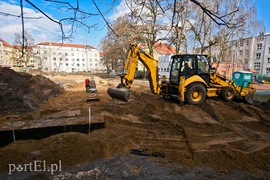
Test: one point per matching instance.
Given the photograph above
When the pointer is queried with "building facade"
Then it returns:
(163, 53)
(58, 57)
(52, 57)
(6, 54)
(251, 53)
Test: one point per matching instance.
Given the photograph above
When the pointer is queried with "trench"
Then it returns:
(6, 136)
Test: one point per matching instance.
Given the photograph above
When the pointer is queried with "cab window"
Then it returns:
(203, 66)
(175, 69)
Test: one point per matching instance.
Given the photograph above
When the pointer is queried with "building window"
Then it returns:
(259, 38)
(78, 59)
(54, 59)
(258, 55)
(247, 42)
(66, 59)
(269, 50)
(257, 66)
(66, 54)
(241, 43)
(72, 54)
(241, 52)
(267, 70)
(259, 46)
(66, 64)
(78, 64)
(268, 60)
(60, 59)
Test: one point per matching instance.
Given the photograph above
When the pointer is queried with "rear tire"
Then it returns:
(195, 93)
(227, 93)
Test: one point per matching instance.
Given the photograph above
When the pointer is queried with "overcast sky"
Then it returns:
(42, 29)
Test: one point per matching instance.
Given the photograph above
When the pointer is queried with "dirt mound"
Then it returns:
(226, 136)
(265, 105)
(22, 92)
(70, 148)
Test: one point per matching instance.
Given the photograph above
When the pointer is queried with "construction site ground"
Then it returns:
(148, 137)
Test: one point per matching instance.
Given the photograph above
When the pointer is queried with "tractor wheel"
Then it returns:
(227, 93)
(195, 93)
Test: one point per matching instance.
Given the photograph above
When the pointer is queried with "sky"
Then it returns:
(43, 29)
(263, 13)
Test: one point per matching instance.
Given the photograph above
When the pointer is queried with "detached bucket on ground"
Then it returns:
(121, 94)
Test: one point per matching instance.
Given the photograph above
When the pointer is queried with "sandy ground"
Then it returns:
(148, 138)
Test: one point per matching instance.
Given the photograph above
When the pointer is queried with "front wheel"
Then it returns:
(227, 93)
(195, 93)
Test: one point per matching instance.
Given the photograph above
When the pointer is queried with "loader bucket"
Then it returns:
(121, 94)
(249, 96)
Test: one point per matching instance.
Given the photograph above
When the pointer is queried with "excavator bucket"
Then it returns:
(121, 94)
(249, 96)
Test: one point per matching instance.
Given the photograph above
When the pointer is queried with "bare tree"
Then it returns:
(115, 44)
(246, 25)
(148, 18)
(180, 26)
(23, 54)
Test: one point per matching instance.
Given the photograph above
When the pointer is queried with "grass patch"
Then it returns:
(261, 97)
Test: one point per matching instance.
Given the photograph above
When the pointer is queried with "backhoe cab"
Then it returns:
(191, 79)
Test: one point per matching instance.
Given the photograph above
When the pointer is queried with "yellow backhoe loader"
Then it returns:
(191, 79)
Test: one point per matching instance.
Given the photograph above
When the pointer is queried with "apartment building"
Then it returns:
(251, 53)
(163, 53)
(51, 57)
(262, 54)
(63, 57)
(6, 54)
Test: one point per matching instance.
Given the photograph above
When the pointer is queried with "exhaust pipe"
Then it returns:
(121, 94)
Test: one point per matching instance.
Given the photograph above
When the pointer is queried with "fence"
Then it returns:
(262, 77)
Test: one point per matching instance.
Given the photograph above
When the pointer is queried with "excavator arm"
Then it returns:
(135, 54)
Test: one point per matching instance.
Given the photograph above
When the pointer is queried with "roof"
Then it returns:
(6, 43)
(66, 45)
(163, 48)
(20, 47)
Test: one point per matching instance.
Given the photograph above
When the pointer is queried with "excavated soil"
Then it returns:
(148, 132)
(22, 92)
